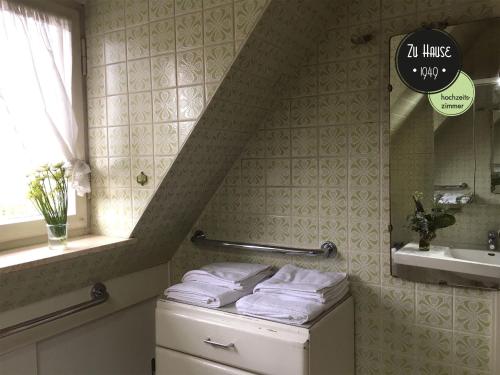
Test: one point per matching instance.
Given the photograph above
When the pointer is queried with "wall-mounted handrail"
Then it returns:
(328, 249)
(98, 295)
(463, 185)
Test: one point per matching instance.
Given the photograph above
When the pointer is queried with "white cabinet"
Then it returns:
(197, 340)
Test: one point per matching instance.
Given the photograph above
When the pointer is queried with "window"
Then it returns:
(41, 108)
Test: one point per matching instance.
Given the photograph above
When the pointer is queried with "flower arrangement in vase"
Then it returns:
(48, 190)
(427, 223)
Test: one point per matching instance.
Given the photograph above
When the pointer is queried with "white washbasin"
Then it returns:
(478, 256)
(467, 261)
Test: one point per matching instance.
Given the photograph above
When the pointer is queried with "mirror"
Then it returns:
(454, 162)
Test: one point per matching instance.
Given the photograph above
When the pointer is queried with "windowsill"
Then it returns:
(37, 255)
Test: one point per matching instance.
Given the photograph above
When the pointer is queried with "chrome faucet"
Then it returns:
(492, 240)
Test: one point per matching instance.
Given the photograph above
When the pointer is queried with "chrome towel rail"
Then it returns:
(328, 249)
(98, 295)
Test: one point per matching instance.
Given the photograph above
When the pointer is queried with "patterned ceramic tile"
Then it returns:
(117, 110)
(217, 61)
(139, 75)
(305, 232)
(141, 139)
(398, 304)
(364, 267)
(114, 44)
(475, 316)
(95, 51)
(98, 142)
(332, 109)
(96, 112)
(140, 108)
(191, 102)
(96, 82)
(119, 141)
(136, 12)
(166, 139)
(398, 337)
(145, 165)
(332, 77)
(159, 9)
(218, 25)
(138, 42)
(434, 344)
(434, 310)
(304, 112)
(164, 105)
(116, 79)
(119, 172)
(332, 172)
(190, 67)
(278, 201)
(278, 172)
(162, 37)
(304, 202)
(472, 351)
(304, 142)
(246, 12)
(304, 172)
(189, 31)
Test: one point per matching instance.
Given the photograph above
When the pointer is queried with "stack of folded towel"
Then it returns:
(295, 295)
(218, 284)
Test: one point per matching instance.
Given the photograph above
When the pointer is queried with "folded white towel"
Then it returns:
(204, 294)
(235, 276)
(308, 284)
(283, 308)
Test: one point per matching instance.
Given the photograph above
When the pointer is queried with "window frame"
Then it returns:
(34, 231)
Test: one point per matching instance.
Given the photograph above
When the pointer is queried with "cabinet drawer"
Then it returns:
(169, 362)
(252, 346)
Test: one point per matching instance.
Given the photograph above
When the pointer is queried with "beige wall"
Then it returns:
(152, 66)
(318, 170)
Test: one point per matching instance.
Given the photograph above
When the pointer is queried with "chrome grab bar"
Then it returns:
(328, 249)
(98, 295)
(218, 344)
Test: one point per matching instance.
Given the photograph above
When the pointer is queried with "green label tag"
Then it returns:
(456, 99)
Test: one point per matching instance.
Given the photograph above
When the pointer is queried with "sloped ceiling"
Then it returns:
(274, 50)
(280, 41)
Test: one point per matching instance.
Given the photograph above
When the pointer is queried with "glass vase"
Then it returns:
(425, 241)
(58, 236)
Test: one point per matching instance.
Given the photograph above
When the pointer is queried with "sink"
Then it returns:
(478, 256)
(473, 264)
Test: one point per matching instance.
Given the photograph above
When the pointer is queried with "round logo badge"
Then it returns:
(428, 61)
(456, 99)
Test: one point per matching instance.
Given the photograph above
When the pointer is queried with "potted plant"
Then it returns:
(48, 190)
(427, 223)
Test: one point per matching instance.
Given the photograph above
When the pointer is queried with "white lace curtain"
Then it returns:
(37, 122)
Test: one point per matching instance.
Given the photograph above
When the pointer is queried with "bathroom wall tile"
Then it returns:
(141, 139)
(369, 48)
(368, 361)
(364, 138)
(304, 172)
(136, 12)
(278, 143)
(335, 230)
(253, 172)
(95, 50)
(472, 351)
(395, 8)
(100, 172)
(393, 364)
(434, 310)
(115, 47)
(185, 128)
(245, 14)
(368, 331)
(162, 165)
(163, 71)
(253, 200)
(278, 201)
(190, 67)
(364, 267)
(398, 304)
(304, 142)
(140, 198)
(305, 232)
(96, 112)
(210, 89)
(363, 11)
(334, 45)
(143, 164)
(364, 236)
(474, 316)
(278, 229)
(213, 3)
(256, 146)
(306, 82)
(186, 6)
(431, 368)
(278, 172)
(164, 105)
(96, 86)
(117, 109)
(233, 177)
(121, 201)
(119, 172)
(138, 42)
(189, 31)
(280, 118)
(434, 344)
(364, 73)
(162, 37)
(304, 112)
(159, 9)
(116, 79)
(332, 109)
(139, 75)
(218, 24)
(333, 141)
(332, 77)
(332, 203)
(332, 172)
(191, 102)
(363, 172)
(217, 61)
(366, 295)
(166, 139)
(98, 142)
(398, 337)
(304, 202)
(363, 106)
(119, 141)
(364, 204)
(140, 108)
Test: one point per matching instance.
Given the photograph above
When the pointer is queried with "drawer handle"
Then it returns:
(218, 344)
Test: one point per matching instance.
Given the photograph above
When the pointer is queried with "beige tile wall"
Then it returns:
(318, 170)
(152, 66)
